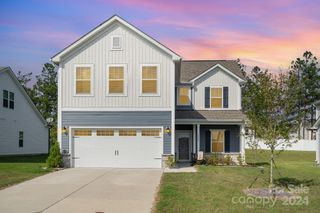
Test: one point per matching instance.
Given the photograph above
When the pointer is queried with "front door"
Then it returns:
(183, 142)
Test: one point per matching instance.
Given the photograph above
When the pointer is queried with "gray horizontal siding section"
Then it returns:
(114, 119)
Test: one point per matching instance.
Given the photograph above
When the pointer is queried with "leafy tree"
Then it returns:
(24, 80)
(267, 104)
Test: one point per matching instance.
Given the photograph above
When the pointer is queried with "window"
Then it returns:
(105, 132)
(216, 97)
(149, 80)
(83, 80)
(217, 140)
(8, 99)
(116, 80)
(116, 42)
(184, 96)
(127, 132)
(82, 132)
(20, 139)
(150, 132)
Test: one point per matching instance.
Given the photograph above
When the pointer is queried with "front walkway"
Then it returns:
(84, 190)
(181, 167)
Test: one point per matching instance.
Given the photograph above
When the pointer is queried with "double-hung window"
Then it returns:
(217, 140)
(216, 97)
(116, 75)
(8, 99)
(20, 139)
(83, 81)
(149, 80)
(184, 94)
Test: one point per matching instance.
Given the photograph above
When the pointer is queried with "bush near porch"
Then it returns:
(212, 188)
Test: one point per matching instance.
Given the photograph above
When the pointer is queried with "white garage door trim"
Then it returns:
(72, 128)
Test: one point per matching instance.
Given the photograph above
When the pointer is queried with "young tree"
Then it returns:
(268, 106)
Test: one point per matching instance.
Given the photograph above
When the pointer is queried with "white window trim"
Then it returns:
(224, 139)
(121, 43)
(158, 80)
(215, 108)
(178, 95)
(125, 82)
(75, 80)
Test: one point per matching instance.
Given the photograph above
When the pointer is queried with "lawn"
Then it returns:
(220, 189)
(16, 169)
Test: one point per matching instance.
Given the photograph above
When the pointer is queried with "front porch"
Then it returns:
(195, 141)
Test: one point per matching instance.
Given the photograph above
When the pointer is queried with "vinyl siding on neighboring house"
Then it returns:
(118, 119)
(217, 77)
(135, 51)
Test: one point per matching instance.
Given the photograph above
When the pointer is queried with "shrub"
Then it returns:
(54, 159)
(222, 160)
(239, 158)
(212, 160)
(228, 160)
(170, 162)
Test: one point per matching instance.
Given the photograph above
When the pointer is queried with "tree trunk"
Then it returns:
(271, 168)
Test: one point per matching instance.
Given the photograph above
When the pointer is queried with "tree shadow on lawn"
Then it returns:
(258, 163)
(39, 158)
(287, 181)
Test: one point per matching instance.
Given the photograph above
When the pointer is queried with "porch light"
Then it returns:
(168, 130)
(65, 130)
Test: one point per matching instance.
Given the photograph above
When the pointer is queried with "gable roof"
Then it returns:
(24, 93)
(193, 69)
(115, 18)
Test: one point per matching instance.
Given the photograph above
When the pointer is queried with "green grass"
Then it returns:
(16, 169)
(212, 188)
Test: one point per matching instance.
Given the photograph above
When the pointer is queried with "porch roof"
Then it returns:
(210, 116)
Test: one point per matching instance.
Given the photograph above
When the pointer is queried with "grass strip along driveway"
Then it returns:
(220, 189)
(16, 169)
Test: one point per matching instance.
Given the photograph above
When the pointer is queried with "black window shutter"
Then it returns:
(207, 97)
(208, 141)
(225, 97)
(227, 141)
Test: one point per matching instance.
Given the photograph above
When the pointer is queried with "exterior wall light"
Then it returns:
(65, 130)
(168, 130)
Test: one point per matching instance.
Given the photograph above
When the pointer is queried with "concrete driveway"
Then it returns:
(84, 190)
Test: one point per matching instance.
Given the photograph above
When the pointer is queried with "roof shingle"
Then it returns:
(211, 115)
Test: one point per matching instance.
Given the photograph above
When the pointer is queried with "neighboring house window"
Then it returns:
(82, 132)
(184, 96)
(105, 132)
(116, 42)
(116, 75)
(8, 99)
(217, 140)
(149, 79)
(127, 132)
(150, 132)
(216, 97)
(84, 80)
(20, 139)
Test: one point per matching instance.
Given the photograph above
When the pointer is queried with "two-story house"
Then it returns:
(126, 100)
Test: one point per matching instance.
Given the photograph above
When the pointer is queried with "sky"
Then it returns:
(269, 34)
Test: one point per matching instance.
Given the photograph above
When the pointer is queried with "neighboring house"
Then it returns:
(126, 100)
(316, 127)
(22, 128)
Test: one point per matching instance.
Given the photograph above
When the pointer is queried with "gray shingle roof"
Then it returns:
(192, 68)
(211, 115)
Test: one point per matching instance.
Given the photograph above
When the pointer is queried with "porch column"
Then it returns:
(242, 143)
(198, 137)
(318, 147)
(194, 138)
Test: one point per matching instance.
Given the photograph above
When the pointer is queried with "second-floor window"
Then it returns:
(116, 77)
(184, 96)
(216, 97)
(8, 99)
(149, 80)
(83, 81)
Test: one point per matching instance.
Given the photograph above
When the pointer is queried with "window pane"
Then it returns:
(150, 132)
(149, 86)
(83, 73)
(5, 103)
(116, 42)
(217, 141)
(105, 132)
(127, 132)
(184, 91)
(11, 96)
(83, 87)
(5, 94)
(20, 139)
(11, 104)
(184, 98)
(116, 73)
(82, 132)
(216, 102)
(116, 86)
(216, 92)
(149, 72)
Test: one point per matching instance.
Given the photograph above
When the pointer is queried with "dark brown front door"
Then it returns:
(184, 148)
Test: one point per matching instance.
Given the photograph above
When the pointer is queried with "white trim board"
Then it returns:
(114, 109)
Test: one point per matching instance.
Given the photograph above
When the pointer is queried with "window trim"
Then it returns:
(121, 43)
(158, 81)
(75, 80)
(217, 108)
(178, 96)
(224, 139)
(125, 81)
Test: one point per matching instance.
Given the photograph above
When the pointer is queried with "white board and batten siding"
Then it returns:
(21, 118)
(217, 77)
(135, 52)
